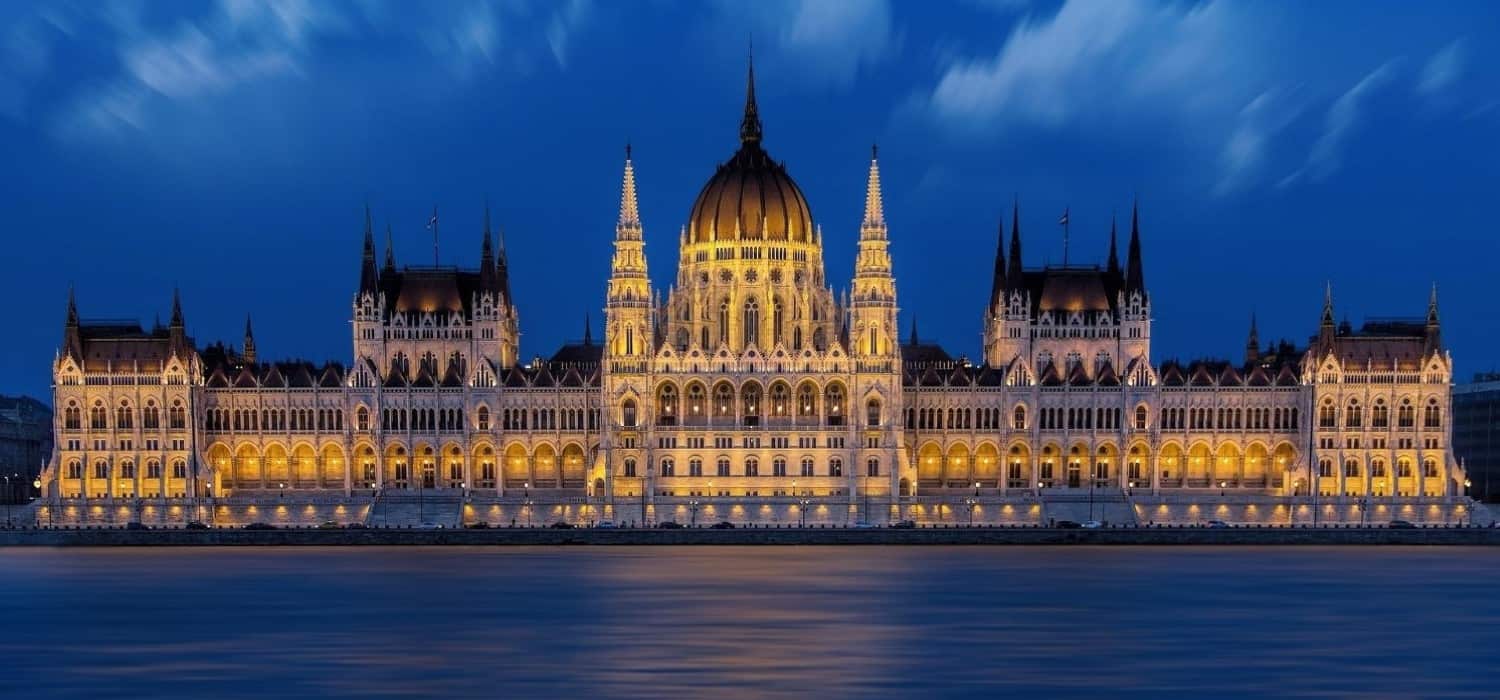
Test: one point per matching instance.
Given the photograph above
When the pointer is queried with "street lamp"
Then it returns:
(7, 502)
(281, 486)
(1222, 485)
(970, 503)
(693, 506)
(802, 510)
(527, 504)
(976, 489)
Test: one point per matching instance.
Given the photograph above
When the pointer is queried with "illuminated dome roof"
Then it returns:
(750, 197)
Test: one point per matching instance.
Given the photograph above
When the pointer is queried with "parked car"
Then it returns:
(1217, 524)
(260, 526)
(1067, 525)
(1401, 525)
(561, 525)
(904, 525)
(669, 525)
(330, 525)
(195, 525)
(480, 525)
(862, 525)
(723, 525)
(604, 525)
(1093, 525)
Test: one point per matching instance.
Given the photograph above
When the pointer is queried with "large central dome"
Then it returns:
(750, 197)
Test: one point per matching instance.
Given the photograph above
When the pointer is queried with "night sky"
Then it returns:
(229, 149)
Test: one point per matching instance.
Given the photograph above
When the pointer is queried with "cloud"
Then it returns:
(1344, 117)
(1098, 60)
(1244, 153)
(1443, 69)
(822, 42)
(563, 25)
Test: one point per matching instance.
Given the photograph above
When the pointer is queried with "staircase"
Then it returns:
(408, 510)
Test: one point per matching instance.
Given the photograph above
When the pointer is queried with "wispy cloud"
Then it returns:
(1443, 69)
(1346, 114)
(1243, 157)
(827, 42)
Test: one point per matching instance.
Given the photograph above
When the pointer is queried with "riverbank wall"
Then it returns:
(1466, 536)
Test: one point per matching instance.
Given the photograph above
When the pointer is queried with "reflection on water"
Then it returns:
(748, 622)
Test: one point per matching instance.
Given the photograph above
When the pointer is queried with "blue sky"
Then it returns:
(228, 148)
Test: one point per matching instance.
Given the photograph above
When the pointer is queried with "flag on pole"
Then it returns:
(1063, 220)
(433, 225)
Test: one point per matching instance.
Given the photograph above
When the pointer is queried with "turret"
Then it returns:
(487, 276)
(1252, 344)
(1135, 277)
(1015, 280)
(249, 353)
(177, 328)
(390, 251)
(1327, 327)
(628, 308)
(72, 339)
(1112, 267)
(1433, 331)
(873, 305)
(369, 279)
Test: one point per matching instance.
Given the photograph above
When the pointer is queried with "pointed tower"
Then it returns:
(1135, 276)
(487, 271)
(249, 353)
(750, 127)
(913, 340)
(628, 312)
(1327, 326)
(1252, 343)
(1433, 331)
(872, 306)
(588, 330)
(1006, 330)
(72, 338)
(177, 328)
(1112, 266)
(369, 279)
(502, 268)
(1014, 278)
(390, 251)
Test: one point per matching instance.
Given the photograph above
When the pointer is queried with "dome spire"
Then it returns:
(750, 125)
(874, 205)
(630, 213)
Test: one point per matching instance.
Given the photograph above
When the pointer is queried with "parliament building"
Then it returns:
(747, 390)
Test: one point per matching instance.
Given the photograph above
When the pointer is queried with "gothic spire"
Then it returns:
(1135, 277)
(1252, 343)
(249, 353)
(72, 308)
(176, 331)
(1113, 265)
(502, 267)
(630, 211)
(588, 330)
(997, 287)
(1013, 276)
(913, 340)
(369, 279)
(390, 250)
(874, 204)
(1434, 330)
(750, 129)
(176, 309)
(1327, 319)
(72, 339)
(487, 257)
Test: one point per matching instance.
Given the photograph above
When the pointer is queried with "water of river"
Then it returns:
(733, 622)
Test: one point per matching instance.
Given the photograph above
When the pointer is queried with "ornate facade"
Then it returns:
(751, 387)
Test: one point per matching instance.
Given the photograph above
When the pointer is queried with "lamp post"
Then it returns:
(693, 506)
(527, 506)
(1469, 509)
(802, 510)
(1291, 505)
(970, 503)
(7, 502)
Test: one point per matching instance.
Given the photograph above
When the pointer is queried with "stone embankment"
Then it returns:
(756, 536)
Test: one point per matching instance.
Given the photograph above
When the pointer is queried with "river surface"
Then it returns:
(743, 622)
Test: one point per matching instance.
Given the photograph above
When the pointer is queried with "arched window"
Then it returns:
(752, 466)
(820, 340)
(781, 400)
(1403, 467)
(629, 466)
(807, 404)
(797, 338)
(75, 469)
(724, 321)
(695, 466)
(752, 322)
(153, 469)
(776, 321)
(668, 467)
(807, 466)
(151, 416)
(778, 466)
(872, 412)
(1351, 468)
(179, 469)
(1353, 415)
(1380, 415)
(872, 466)
(1325, 467)
(723, 400)
(627, 413)
(1327, 416)
(721, 467)
(362, 418)
(750, 400)
(1429, 469)
(1432, 416)
(1018, 418)
(483, 417)
(1140, 417)
(127, 469)
(1406, 416)
(835, 466)
(833, 399)
(630, 340)
(682, 340)
(123, 417)
(72, 417)
(666, 405)
(697, 405)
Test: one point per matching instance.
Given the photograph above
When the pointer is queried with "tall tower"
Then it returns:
(872, 307)
(628, 329)
(1007, 328)
(249, 353)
